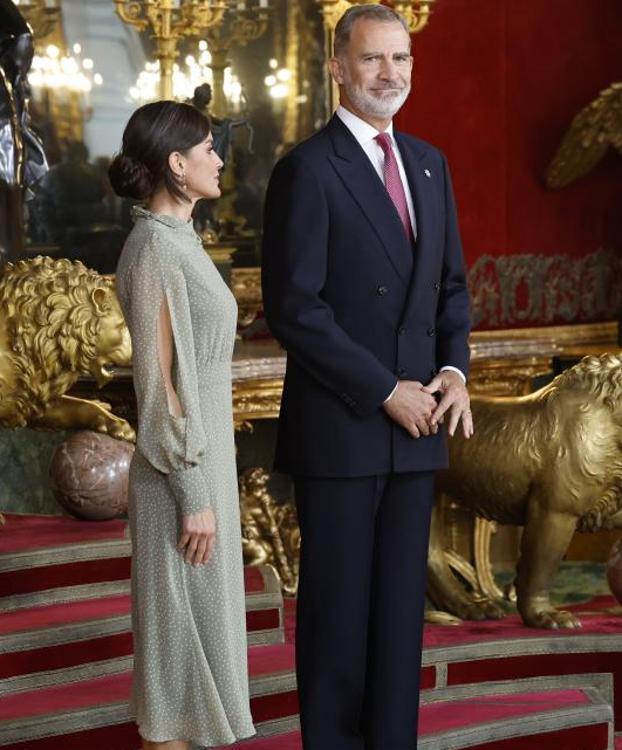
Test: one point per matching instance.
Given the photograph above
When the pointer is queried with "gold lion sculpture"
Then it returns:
(550, 462)
(58, 320)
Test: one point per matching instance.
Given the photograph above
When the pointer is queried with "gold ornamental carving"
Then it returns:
(258, 399)
(593, 131)
(549, 461)
(58, 321)
(246, 288)
(415, 12)
(270, 533)
(170, 21)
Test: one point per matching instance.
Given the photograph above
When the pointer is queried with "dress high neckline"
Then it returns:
(140, 212)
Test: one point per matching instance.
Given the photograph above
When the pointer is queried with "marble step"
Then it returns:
(51, 636)
(38, 553)
(50, 561)
(73, 709)
(87, 706)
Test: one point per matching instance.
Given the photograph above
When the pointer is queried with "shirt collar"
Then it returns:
(361, 130)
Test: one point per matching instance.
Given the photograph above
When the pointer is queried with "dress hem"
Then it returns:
(201, 743)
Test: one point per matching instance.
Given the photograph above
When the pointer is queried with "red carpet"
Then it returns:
(27, 532)
(578, 739)
(109, 689)
(34, 579)
(594, 620)
(436, 718)
(34, 618)
(38, 634)
(71, 654)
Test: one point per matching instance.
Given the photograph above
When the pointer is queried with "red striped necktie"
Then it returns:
(393, 183)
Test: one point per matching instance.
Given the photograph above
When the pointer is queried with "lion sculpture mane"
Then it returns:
(58, 320)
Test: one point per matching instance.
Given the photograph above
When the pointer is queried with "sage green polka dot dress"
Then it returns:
(190, 647)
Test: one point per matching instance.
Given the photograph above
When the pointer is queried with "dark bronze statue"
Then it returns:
(22, 159)
(222, 129)
(209, 220)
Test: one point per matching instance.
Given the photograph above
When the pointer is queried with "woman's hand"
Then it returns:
(198, 537)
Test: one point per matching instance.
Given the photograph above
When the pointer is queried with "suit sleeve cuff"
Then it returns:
(454, 369)
(390, 396)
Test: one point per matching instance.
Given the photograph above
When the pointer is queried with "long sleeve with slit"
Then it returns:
(190, 671)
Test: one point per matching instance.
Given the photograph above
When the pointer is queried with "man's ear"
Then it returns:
(335, 66)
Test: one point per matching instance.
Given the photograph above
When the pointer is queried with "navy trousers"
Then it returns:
(360, 609)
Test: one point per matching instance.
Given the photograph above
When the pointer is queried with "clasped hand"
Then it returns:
(198, 536)
(415, 408)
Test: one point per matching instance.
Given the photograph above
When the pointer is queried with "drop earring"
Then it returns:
(184, 184)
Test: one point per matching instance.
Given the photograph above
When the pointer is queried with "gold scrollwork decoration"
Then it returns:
(246, 287)
(130, 12)
(260, 399)
(416, 12)
(170, 21)
(270, 532)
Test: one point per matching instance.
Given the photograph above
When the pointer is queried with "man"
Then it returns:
(364, 286)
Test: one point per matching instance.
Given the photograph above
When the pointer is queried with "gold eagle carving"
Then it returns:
(594, 130)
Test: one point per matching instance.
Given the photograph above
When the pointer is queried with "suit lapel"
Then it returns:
(423, 186)
(362, 182)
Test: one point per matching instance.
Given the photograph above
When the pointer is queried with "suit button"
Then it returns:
(401, 330)
(434, 372)
(401, 371)
(431, 331)
(381, 291)
(437, 286)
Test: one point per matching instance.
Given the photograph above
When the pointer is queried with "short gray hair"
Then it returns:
(374, 12)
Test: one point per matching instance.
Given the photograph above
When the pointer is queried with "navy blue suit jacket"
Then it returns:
(355, 307)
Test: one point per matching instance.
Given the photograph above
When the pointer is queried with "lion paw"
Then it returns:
(551, 619)
(117, 428)
(480, 608)
(491, 609)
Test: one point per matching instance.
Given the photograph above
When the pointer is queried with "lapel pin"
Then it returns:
(427, 173)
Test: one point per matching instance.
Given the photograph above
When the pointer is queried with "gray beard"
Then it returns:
(372, 106)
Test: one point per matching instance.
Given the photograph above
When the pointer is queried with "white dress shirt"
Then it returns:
(365, 136)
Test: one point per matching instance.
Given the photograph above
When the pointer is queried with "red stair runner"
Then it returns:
(26, 532)
(51, 541)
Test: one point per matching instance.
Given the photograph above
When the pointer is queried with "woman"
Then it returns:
(188, 611)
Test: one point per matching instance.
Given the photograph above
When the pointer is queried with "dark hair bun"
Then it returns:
(130, 178)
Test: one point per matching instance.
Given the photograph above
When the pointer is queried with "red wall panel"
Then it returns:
(496, 84)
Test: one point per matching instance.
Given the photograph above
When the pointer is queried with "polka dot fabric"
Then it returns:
(190, 664)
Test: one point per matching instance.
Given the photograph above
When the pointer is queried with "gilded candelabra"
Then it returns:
(416, 12)
(42, 15)
(244, 21)
(170, 21)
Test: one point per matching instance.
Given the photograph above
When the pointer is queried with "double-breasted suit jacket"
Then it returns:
(356, 306)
